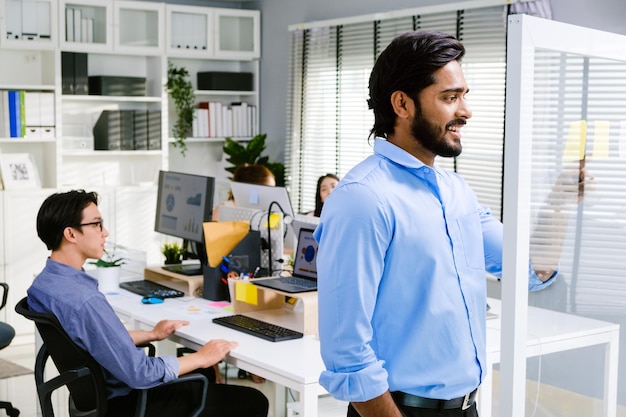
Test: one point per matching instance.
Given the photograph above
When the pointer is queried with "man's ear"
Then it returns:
(401, 104)
(69, 233)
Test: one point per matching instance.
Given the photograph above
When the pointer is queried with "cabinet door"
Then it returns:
(188, 31)
(86, 25)
(236, 33)
(29, 24)
(25, 253)
(139, 27)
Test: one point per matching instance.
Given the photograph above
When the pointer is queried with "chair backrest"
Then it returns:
(87, 387)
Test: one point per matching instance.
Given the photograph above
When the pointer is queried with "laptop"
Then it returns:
(304, 277)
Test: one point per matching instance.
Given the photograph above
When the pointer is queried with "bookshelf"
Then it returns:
(112, 39)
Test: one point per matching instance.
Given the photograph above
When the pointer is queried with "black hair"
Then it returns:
(61, 210)
(318, 195)
(407, 65)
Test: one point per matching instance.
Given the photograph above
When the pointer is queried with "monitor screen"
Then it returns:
(184, 202)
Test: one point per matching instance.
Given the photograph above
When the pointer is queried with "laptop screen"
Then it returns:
(306, 255)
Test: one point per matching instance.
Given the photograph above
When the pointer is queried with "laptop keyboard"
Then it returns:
(257, 328)
(300, 282)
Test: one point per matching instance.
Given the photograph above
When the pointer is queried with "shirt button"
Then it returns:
(426, 170)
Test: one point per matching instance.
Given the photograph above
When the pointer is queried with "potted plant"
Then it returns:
(251, 154)
(173, 253)
(109, 270)
(180, 89)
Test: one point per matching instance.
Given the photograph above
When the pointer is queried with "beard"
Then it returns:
(432, 137)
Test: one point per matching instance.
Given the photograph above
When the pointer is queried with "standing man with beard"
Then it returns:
(404, 246)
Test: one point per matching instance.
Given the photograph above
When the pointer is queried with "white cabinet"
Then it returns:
(139, 27)
(86, 25)
(28, 24)
(112, 39)
(237, 33)
(24, 253)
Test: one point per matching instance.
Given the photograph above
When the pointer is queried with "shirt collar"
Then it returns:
(401, 157)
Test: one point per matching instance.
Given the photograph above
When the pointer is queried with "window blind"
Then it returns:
(328, 119)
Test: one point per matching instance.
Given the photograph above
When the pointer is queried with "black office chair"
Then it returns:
(7, 333)
(79, 371)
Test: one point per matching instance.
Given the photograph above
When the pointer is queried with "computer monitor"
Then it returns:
(261, 196)
(184, 202)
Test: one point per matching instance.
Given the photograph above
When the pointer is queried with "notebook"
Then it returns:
(304, 277)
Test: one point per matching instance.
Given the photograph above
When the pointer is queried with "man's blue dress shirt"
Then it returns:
(403, 249)
(87, 317)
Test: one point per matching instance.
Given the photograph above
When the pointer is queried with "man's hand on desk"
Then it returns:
(162, 330)
(208, 355)
(165, 328)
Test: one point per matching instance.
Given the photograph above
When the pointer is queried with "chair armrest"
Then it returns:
(143, 396)
(151, 348)
(5, 294)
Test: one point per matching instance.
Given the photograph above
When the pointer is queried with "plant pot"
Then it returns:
(109, 279)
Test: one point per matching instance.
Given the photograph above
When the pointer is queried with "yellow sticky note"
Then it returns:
(246, 292)
(601, 139)
(273, 220)
(576, 142)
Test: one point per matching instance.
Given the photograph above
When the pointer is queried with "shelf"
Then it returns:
(42, 87)
(112, 99)
(17, 141)
(210, 140)
(98, 154)
(224, 93)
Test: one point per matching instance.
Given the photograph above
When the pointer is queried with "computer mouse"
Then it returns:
(151, 300)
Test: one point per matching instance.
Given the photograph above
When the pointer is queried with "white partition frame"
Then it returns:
(527, 34)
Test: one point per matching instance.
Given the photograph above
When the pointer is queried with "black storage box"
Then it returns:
(231, 81)
(101, 85)
(114, 131)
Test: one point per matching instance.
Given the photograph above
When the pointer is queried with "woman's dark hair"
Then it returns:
(59, 211)
(407, 65)
(252, 174)
(318, 195)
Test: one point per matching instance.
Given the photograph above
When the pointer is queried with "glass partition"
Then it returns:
(565, 204)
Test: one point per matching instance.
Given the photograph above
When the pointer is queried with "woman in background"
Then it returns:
(325, 185)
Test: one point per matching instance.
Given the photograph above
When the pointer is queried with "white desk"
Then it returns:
(549, 332)
(297, 364)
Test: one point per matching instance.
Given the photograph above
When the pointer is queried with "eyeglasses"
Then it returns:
(99, 223)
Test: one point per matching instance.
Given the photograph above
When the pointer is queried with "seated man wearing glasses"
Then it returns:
(71, 226)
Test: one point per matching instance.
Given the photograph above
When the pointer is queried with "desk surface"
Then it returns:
(297, 363)
(296, 360)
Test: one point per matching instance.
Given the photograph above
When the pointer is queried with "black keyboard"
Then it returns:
(257, 328)
(184, 269)
(149, 288)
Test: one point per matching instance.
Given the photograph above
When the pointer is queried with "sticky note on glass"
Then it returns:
(576, 142)
(601, 139)
(246, 292)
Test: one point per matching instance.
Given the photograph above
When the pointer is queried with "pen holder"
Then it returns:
(215, 282)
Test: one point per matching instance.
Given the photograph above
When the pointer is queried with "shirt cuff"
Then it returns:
(535, 284)
(171, 368)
